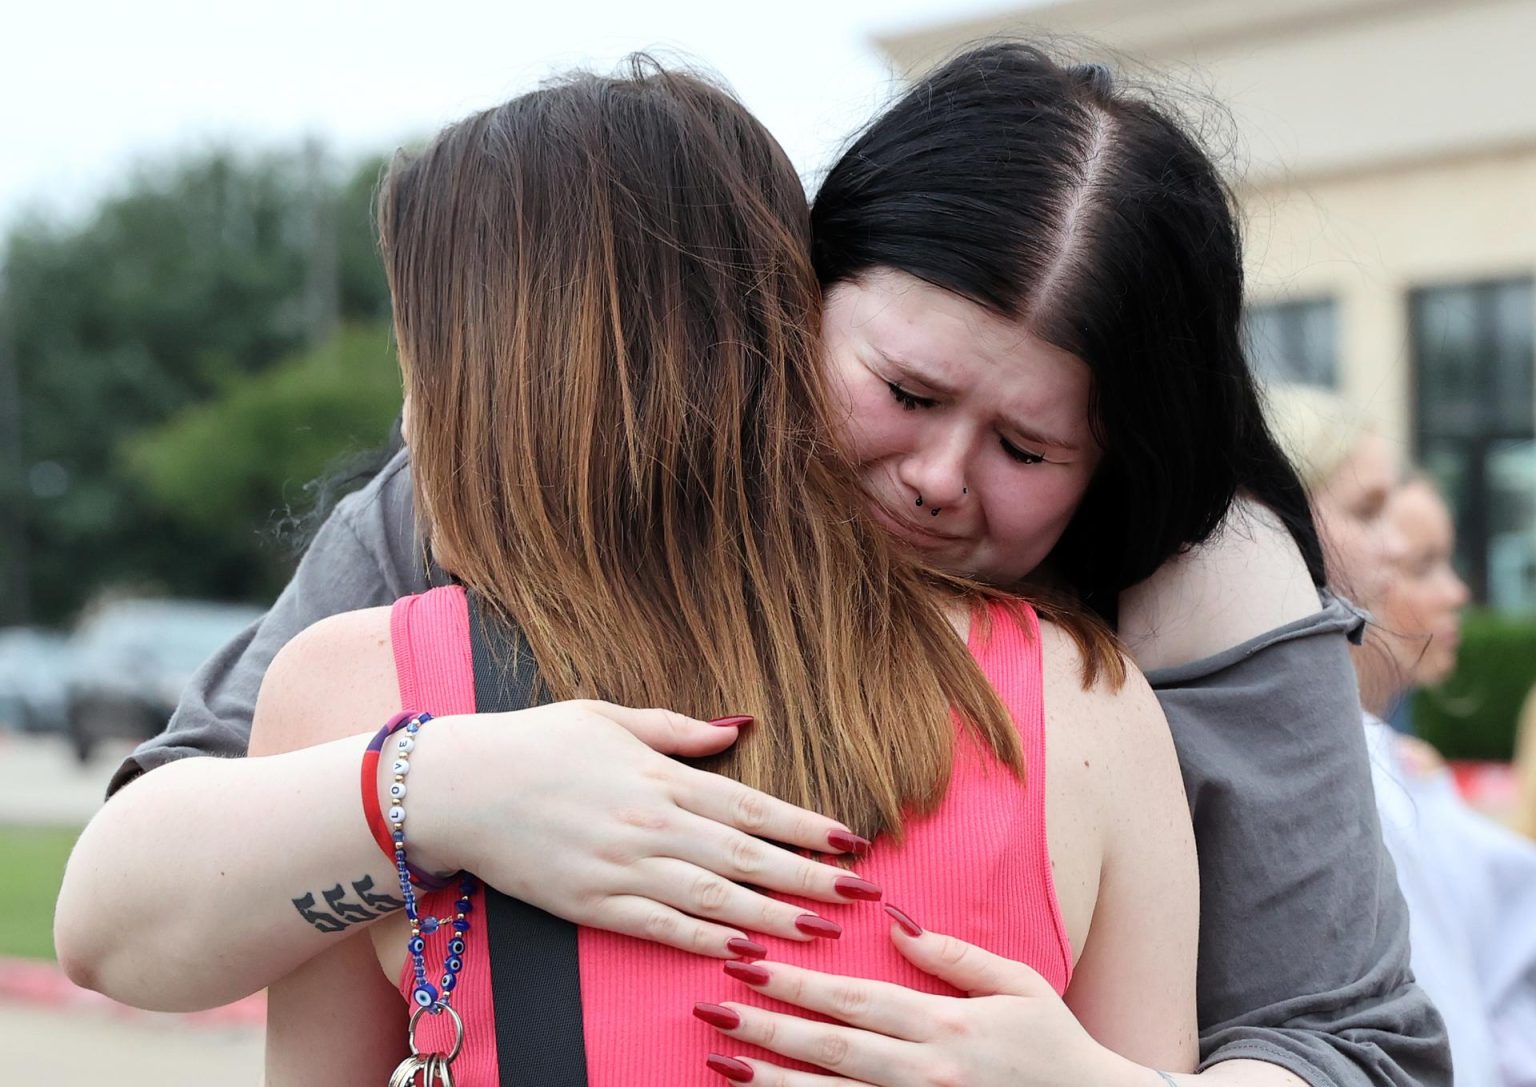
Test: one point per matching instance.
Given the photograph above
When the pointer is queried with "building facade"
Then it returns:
(1384, 154)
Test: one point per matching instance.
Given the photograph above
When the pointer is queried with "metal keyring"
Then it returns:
(405, 1075)
(458, 1031)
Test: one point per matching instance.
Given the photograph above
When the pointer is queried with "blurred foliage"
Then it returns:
(1473, 716)
(192, 277)
(225, 464)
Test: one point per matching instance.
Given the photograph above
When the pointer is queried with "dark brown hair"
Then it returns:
(607, 320)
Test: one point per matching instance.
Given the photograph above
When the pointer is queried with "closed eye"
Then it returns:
(908, 401)
(1023, 456)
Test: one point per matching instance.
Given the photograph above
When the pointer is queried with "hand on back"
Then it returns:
(577, 808)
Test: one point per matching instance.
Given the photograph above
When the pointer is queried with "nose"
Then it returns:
(1459, 593)
(936, 469)
(1391, 541)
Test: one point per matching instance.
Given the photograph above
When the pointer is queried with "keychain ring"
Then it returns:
(458, 1031)
(405, 1075)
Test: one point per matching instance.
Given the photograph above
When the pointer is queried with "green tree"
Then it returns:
(193, 276)
(225, 465)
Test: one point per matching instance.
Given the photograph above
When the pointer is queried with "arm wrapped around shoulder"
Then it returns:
(1304, 933)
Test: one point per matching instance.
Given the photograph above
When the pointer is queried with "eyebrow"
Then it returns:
(1023, 430)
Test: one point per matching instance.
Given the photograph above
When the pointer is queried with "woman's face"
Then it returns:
(971, 436)
(1420, 608)
(1351, 505)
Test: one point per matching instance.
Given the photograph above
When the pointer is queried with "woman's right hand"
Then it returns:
(576, 808)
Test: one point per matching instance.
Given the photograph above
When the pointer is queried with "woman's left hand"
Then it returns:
(1012, 1030)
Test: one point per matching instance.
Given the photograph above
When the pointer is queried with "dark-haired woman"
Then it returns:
(621, 439)
(1007, 217)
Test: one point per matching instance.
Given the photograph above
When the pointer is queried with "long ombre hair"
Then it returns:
(607, 321)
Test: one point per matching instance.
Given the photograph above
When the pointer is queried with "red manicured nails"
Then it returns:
(749, 972)
(909, 926)
(854, 887)
(747, 949)
(717, 1016)
(734, 721)
(733, 1070)
(846, 841)
(812, 925)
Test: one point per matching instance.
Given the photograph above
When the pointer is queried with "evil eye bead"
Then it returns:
(397, 814)
(405, 745)
(397, 790)
(454, 963)
(448, 982)
(424, 995)
(417, 945)
(456, 947)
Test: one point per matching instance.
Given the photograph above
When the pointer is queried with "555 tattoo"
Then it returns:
(343, 914)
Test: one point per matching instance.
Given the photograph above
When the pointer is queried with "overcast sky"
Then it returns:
(90, 88)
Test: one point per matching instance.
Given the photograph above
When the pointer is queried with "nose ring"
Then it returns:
(933, 511)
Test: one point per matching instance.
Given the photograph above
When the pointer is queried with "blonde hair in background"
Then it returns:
(1524, 819)
(1317, 429)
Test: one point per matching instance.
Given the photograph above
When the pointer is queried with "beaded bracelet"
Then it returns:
(424, 994)
(391, 836)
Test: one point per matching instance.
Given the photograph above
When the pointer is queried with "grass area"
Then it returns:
(32, 859)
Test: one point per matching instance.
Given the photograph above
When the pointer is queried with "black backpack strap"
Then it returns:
(535, 982)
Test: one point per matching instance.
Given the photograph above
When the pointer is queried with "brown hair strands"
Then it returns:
(606, 317)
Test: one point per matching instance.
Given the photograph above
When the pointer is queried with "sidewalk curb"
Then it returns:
(43, 985)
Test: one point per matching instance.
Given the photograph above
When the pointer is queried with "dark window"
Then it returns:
(1293, 341)
(1474, 353)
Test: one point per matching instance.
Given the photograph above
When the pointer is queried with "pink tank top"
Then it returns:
(976, 867)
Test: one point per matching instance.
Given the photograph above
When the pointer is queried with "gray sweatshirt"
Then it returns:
(1303, 932)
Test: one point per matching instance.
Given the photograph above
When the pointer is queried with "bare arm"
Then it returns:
(1133, 988)
(1246, 579)
(336, 1019)
(270, 862)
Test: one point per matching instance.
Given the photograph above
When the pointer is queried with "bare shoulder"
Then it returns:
(1106, 748)
(335, 678)
(1247, 579)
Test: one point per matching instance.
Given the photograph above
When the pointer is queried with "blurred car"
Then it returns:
(132, 658)
(34, 680)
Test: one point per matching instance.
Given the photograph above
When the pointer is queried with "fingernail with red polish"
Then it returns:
(854, 887)
(717, 1016)
(734, 1071)
(812, 925)
(747, 949)
(738, 720)
(846, 841)
(909, 926)
(749, 972)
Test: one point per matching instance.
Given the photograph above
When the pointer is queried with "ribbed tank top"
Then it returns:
(977, 867)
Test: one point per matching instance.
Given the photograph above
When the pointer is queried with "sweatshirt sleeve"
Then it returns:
(364, 555)
(1303, 931)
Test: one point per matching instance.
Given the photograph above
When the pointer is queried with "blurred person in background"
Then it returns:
(1033, 295)
(1524, 819)
(1470, 883)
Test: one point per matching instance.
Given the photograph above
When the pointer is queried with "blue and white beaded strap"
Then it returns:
(424, 994)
